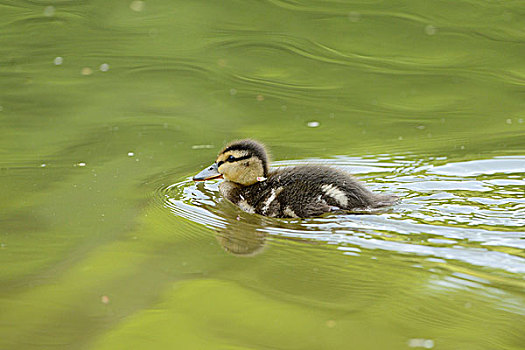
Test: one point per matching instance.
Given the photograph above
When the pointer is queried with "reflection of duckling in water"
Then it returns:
(300, 191)
(241, 239)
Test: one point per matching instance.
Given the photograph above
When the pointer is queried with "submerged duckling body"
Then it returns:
(293, 192)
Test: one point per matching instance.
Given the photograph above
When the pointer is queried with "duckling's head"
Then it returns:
(242, 162)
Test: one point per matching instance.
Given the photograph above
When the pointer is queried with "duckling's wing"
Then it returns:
(314, 190)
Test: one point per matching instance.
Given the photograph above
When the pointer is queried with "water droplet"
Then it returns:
(58, 61)
(313, 124)
(104, 67)
(86, 71)
(49, 11)
(81, 164)
(201, 146)
(421, 343)
(137, 5)
(400, 138)
(43, 165)
(330, 323)
(233, 92)
(131, 154)
(430, 29)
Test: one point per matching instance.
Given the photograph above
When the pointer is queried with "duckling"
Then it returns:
(289, 192)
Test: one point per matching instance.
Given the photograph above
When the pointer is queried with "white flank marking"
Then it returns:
(288, 211)
(246, 207)
(336, 194)
(270, 199)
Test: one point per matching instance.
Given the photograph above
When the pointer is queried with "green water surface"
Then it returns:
(108, 107)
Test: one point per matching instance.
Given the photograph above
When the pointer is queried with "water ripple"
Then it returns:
(450, 211)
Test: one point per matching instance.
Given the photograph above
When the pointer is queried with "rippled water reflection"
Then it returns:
(469, 212)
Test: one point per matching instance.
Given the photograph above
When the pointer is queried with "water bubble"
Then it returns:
(233, 92)
(201, 146)
(430, 29)
(131, 154)
(330, 323)
(104, 67)
(137, 5)
(86, 71)
(49, 11)
(354, 16)
(313, 124)
(421, 343)
(58, 61)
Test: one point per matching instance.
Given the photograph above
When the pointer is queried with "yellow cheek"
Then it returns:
(227, 170)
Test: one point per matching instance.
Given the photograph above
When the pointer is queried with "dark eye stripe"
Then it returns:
(232, 159)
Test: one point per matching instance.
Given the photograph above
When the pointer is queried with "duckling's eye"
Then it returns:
(230, 159)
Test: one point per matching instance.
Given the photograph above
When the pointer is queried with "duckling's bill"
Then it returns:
(211, 172)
